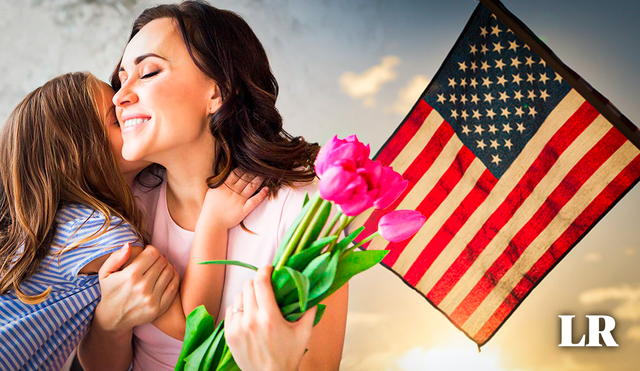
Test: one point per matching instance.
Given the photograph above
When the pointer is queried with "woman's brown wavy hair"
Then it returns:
(54, 150)
(247, 128)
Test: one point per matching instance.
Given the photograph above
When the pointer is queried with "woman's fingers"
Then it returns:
(264, 295)
(170, 292)
(250, 307)
(153, 273)
(141, 264)
(234, 312)
(165, 277)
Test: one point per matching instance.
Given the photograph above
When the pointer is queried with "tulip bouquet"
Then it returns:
(313, 261)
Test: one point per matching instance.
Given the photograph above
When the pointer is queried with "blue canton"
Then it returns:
(494, 92)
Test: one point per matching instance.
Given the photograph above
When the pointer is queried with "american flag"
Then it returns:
(510, 164)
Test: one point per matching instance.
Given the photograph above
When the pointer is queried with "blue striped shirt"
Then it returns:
(41, 336)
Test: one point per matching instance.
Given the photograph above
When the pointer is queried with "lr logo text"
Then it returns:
(566, 332)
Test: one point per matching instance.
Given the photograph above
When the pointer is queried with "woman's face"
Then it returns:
(107, 112)
(165, 99)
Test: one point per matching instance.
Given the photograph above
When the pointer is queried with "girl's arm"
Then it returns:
(223, 208)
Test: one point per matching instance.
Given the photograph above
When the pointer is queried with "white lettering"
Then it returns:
(595, 332)
(566, 332)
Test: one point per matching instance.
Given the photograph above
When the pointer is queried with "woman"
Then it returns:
(196, 96)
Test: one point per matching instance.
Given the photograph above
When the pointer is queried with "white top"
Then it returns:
(153, 349)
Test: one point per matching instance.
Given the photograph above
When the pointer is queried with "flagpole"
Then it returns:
(597, 100)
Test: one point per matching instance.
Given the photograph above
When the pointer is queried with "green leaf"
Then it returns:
(323, 276)
(306, 199)
(350, 264)
(199, 325)
(345, 242)
(197, 359)
(227, 363)
(283, 284)
(319, 313)
(315, 226)
(292, 317)
(302, 283)
(291, 230)
(290, 309)
(216, 349)
(301, 259)
(230, 262)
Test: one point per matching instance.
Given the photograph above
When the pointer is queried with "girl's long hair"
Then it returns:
(247, 128)
(54, 150)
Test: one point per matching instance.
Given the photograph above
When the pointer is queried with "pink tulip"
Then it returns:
(345, 188)
(348, 150)
(350, 179)
(391, 187)
(399, 225)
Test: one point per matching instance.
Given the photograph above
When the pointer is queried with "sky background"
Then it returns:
(356, 67)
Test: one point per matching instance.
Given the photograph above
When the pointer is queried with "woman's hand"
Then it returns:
(137, 294)
(133, 296)
(226, 206)
(258, 336)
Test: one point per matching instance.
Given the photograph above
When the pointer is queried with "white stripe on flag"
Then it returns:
(569, 158)
(443, 212)
(429, 180)
(405, 158)
(571, 210)
(503, 187)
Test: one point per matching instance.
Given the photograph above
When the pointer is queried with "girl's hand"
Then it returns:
(227, 205)
(258, 336)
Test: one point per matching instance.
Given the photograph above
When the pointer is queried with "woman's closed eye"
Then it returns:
(150, 74)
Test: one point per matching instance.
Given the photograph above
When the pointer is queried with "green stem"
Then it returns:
(230, 262)
(345, 222)
(369, 238)
(333, 224)
(304, 241)
(302, 227)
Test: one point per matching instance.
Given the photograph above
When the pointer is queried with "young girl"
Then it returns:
(64, 207)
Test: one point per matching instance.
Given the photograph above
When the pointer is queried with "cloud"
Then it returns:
(364, 319)
(419, 359)
(634, 333)
(627, 296)
(408, 96)
(567, 363)
(367, 84)
(593, 257)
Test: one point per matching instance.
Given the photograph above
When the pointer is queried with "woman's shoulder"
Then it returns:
(293, 196)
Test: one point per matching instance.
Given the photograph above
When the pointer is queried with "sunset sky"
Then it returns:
(357, 67)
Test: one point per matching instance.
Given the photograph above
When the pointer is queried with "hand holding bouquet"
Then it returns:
(312, 261)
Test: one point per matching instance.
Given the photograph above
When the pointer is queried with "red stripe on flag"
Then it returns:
(400, 139)
(598, 206)
(565, 191)
(438, 194)
(421, 163)
(467, 207)
(580, 120)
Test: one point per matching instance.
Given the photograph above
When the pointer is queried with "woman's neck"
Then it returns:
(187, 173)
